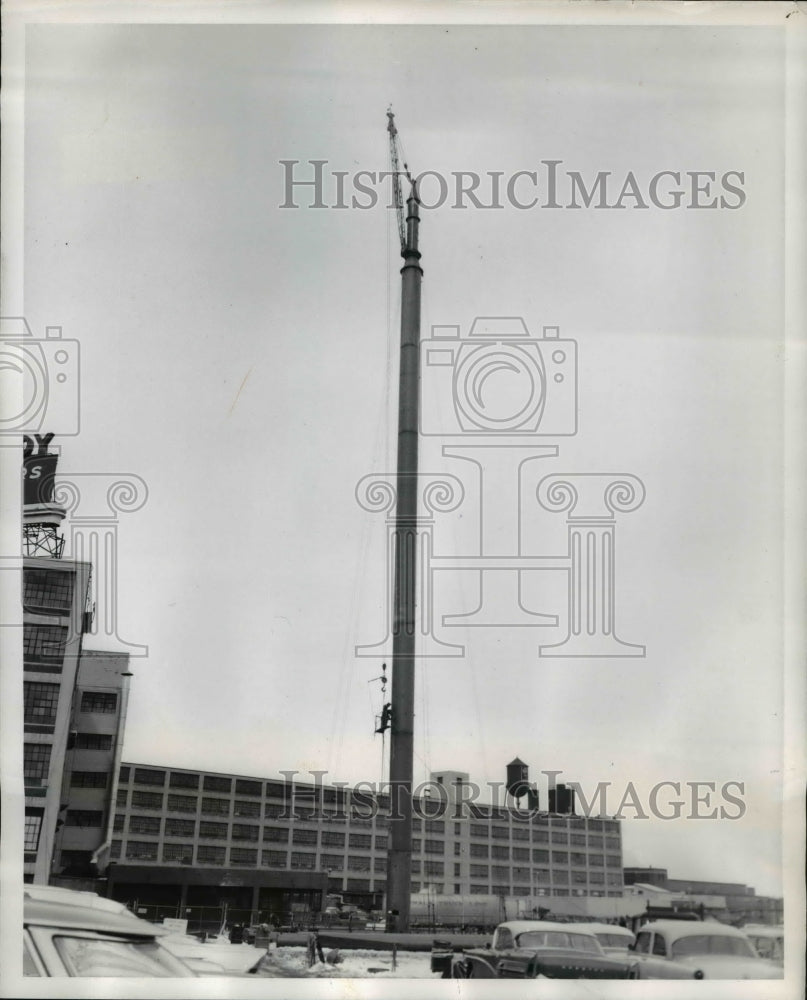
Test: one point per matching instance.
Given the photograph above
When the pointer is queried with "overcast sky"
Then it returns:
(240, 358)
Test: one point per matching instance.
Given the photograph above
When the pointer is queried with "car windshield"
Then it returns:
(85, 956)
(557, 939)
(711, 944)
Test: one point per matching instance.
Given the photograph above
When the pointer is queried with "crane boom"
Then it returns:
(395, 163)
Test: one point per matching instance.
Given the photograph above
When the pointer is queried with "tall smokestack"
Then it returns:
(399, 855)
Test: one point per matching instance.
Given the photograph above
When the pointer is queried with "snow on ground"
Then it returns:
(359, 963)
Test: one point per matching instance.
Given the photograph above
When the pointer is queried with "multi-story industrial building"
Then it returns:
(74, 700)
(92, 761)
(646, 876)
(742, 905)
(731, 902)
(182, 837)
(54, 602)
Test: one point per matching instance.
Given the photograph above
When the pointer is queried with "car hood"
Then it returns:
(732, 967)
(203, 956)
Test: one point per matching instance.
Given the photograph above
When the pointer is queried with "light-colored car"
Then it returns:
(615, 940)
(77, 934)
(530, 949)
(216, 957)
(768, 939)
(684, 949)
(78, 897)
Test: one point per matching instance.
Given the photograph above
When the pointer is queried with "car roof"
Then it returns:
(520, 926)
(600, 928)
(76, 897)
(691, 928)
(73, 915)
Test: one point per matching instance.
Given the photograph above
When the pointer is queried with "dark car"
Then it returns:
(74, 934)
(528, 949)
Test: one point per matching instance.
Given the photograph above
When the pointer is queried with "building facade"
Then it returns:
(646, 876)
(171, 821)
(74, 700)
(92, 762)
(730, 902)
(742, 905)
(55, 594)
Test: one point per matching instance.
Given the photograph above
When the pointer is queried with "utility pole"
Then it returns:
(399, 857)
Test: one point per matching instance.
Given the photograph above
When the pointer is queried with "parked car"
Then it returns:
(769, 941)
(70, 933)
(615, 940)
(527, 949)
(673, 949)
(78, 897)
(215, 956)
(348, 916)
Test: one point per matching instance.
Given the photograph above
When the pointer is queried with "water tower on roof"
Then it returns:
(518, 783)
(41, 515)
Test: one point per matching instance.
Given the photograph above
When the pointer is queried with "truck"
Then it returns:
(470, 912)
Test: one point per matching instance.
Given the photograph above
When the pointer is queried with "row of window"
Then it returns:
(154, 801)
(92, 741)
(146, 850)
(239, 831)
(545, 876)
(33, 827)
(104, 702)
(209, 782)
(47, 590)
(243, 831)
(302, 860)
(41, 700)
(497, 852)
(89, 779)
(36, 762)
(299, 799)
(83, 817)
(44, 644)
(542, 836)
(211, 806)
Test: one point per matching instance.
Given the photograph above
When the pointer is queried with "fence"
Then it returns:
(211, 919)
